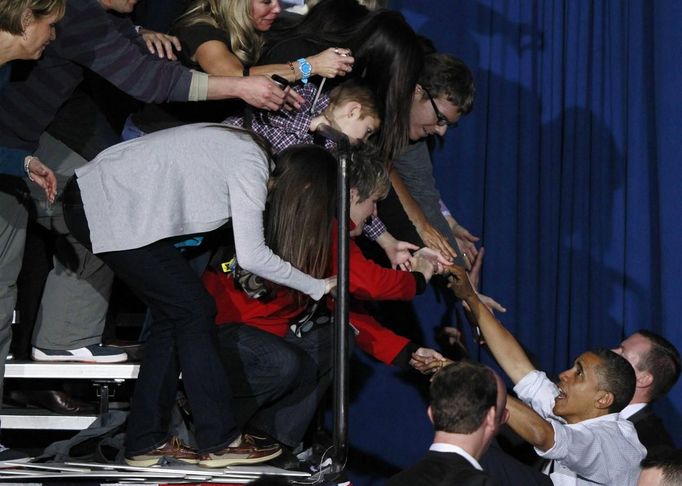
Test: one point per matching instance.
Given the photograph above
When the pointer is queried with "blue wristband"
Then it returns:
(305, 68)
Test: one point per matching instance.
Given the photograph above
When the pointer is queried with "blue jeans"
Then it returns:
(182, 339)
(277, 383)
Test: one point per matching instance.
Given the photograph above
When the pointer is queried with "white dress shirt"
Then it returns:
(631, 409)
(603, 450)
(443, 447)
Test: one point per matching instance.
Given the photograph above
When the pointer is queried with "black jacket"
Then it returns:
(651, 432)
(441, 469)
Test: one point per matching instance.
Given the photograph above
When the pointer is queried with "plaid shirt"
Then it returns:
(374, 229)
(285, 128)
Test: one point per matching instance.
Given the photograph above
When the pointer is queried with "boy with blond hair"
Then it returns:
(350, 108)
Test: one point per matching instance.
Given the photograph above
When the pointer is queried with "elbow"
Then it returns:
(249, 260)
(543, 437)
(249, 264)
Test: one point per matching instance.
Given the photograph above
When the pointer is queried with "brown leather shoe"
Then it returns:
(53, 400)
(247, 452)
(173, 448)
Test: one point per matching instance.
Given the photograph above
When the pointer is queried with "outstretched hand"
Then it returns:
(436, 240)
(465, 240)
(161, 44)
(427, 361)
(330, 285)
(460, 284)
(332, 62)
(398, 252)
(475, 279)
(42, 175)
(260, 92)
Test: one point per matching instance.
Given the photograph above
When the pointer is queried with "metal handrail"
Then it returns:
(341, 336)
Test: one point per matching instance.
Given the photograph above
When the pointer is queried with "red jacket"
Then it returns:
(368, 281)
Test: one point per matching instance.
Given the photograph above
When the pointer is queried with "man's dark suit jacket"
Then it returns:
(651, 432)
(441, 469)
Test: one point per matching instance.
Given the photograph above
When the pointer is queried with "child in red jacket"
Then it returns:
(279, 363)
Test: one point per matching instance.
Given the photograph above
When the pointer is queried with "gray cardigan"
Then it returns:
(185, 180)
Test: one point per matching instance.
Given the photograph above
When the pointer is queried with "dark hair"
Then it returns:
(461, 395)
(300, 207)
(11, 12)
(662, 361)
(617, 376)
(388, 57)
(670, 464)
(367, 172)
(327, 18)
(446, 75)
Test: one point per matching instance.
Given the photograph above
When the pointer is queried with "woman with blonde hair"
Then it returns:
(225, 37)
(26, 28)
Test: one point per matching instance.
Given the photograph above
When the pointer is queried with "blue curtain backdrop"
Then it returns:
(568, 170)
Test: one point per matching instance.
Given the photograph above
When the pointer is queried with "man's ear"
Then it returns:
(604, 400)
(490, 418)
(644, 379)
(429, 412)
(27, 18)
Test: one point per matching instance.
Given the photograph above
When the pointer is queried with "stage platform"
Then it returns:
(93, 473)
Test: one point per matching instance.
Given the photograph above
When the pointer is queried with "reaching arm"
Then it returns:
(504, 346)
(258, 91)
(429, 235)
(529, 425)
(215, 57)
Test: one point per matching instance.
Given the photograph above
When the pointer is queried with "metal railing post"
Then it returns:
(341, 339)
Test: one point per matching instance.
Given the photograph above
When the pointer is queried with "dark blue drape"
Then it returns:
(568, 170)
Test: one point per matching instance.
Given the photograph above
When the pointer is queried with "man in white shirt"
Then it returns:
(576, 423)
(657, 368)
(467, 409)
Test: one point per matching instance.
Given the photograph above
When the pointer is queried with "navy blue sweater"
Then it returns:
(87, 38)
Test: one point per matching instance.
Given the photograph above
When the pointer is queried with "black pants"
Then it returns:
(182, 339)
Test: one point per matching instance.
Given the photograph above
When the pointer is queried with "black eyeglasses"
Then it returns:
(442, 119)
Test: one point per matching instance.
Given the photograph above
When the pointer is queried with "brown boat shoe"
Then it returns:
(172, 448)
(247, 452)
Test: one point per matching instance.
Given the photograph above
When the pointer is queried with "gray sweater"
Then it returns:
(181, 181)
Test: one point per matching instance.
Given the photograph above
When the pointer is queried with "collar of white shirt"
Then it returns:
(443, 447)
(631, 409)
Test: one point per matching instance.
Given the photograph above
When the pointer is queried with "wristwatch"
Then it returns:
(305, 68)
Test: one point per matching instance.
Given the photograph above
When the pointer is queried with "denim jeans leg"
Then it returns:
(182, 339)
(262, 367)
(288, 418)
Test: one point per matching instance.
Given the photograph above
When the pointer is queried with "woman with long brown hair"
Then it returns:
(276, 349)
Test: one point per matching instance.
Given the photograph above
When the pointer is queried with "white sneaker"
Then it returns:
(95, 353)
